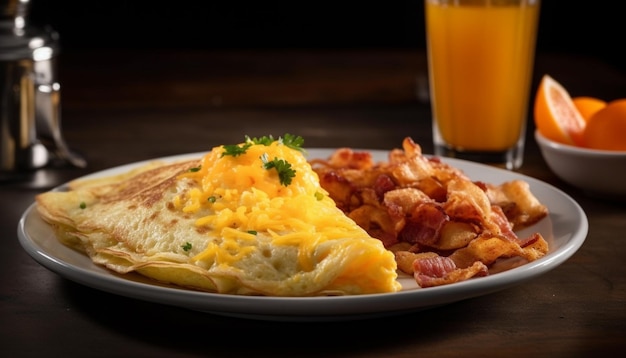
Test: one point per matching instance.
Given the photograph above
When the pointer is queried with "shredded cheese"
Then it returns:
(250, 198)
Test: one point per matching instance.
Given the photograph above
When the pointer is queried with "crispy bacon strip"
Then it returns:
(437, 271)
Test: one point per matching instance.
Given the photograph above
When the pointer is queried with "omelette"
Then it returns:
(246, 219)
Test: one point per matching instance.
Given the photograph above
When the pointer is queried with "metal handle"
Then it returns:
(48, 115)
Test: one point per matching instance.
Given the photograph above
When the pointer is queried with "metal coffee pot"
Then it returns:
(30, 125)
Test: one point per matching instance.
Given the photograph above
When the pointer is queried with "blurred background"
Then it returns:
(565, 27)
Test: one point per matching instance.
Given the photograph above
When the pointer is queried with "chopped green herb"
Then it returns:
(195, 169)
(187, 246)
(212, 199)
(82, 205)
(283, 168)
(236, 150)
(292, 141)
(319, 196)
(265, 140)
(253, 232)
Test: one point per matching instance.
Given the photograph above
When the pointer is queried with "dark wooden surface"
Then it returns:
(121, 107)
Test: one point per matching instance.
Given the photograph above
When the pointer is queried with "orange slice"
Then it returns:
(556, 116)
(587, 106)
(606, 129)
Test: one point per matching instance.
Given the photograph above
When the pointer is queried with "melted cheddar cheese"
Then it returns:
(238, 198)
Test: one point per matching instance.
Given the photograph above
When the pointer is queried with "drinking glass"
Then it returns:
(480, 64)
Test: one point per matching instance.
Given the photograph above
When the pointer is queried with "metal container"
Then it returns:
(30, 126)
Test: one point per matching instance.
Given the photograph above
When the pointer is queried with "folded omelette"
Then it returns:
(249, 219)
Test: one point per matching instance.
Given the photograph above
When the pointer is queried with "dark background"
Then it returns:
(586, 28)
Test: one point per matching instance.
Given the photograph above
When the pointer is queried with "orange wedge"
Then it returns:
(556, 116)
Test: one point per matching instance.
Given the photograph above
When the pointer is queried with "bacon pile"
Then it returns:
(442, 226)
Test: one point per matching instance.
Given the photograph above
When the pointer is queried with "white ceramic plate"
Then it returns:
(565, 229)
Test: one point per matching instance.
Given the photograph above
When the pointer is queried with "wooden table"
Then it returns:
(121, 107)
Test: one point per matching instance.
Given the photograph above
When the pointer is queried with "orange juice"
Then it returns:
(480, 67)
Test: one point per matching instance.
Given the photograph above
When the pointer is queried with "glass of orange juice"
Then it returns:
(480, 63)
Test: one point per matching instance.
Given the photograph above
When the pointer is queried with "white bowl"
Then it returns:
(598, 172)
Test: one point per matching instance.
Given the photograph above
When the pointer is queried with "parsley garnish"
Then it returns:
(82, 205)
(186, 246)
(195, 169)
(236, 150)
(253, 232)
(212, 199)
(265, 140)
(292, 141)
(283, 168)
(319, 196)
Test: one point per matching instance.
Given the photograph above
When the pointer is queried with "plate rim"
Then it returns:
(313, 308)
